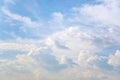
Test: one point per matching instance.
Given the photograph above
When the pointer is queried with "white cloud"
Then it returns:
(74, 53)
(26, 21)
(16, 46)
(114, 60)
(17, 70)
(58, 17)
(106, 13)
(44, 58)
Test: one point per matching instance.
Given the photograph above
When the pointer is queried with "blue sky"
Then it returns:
(59, 39)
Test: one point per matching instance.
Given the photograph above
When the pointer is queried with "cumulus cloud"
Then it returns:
(49, 56)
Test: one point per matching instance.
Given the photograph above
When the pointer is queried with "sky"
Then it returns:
(59, 39)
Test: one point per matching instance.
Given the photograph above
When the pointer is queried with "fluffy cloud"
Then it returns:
(114, 60)
(107, 13)
(71, 51)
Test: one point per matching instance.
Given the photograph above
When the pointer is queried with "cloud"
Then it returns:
(106, 13)
(75, 52)
(46, 57)
(12, 68)
(49, 62)
(114, 60)
(84, 47)
(56, 43)
(26, 21)
(16, 46)
(58, 17)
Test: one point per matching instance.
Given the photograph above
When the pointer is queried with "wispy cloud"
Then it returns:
(26, 21)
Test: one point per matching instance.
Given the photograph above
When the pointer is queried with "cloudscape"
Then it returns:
(59, 39)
